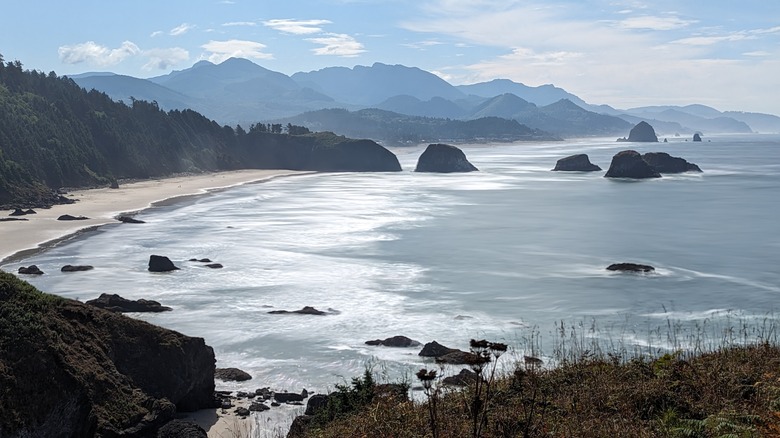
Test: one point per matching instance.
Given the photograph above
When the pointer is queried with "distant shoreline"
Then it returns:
(42, 230)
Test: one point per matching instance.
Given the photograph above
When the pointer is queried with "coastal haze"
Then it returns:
(507, 253)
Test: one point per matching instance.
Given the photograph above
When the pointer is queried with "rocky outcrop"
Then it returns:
(76, 268)
(443, 158)
(214, 265)
(30, 270)
(69, 369)
(307, 310)
(576, 163)
(231, 375)
(181, 429)
(696, 137)
(288, 397)
(315, 403)
(67, 217)
(463, 378)
(643, 133)
(630, 267)
(395, 341)
(115, 303)
(665, 163)
(20, 212)
(435, 349)
(129, 220)
(629, 164)
(161, 264)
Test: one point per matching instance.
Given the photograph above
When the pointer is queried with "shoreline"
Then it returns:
(42, 230)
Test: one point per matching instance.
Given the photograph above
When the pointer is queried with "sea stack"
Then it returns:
(665, 163)
(696, 137)
(443, 158)
(629, 164)
(643, 133)
(576, 163)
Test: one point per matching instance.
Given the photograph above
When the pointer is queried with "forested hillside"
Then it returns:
(54, 134)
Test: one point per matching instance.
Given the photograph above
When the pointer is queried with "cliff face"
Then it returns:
(68, 369)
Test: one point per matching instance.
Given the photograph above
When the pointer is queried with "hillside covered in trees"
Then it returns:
(55, 134)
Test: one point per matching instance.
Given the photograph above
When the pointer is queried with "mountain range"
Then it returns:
(238, 91)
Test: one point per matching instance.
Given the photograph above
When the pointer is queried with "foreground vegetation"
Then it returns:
(731, 391)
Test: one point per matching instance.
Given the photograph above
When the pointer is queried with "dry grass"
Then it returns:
(724, 385)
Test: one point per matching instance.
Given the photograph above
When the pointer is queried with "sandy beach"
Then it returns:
(101, 206)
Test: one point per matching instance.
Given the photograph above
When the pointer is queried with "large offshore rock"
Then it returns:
(629, 164)
(665, 163)
(643, 132)
(576, 163)
(443, 158)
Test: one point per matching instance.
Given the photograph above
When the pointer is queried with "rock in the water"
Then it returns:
(665, 163)
(129, 220)
(258, 407)
(67, 217)
(435, 349)
(201, 260)
(181, 429)
(576, 163)
(30, 270)
(464, 378)
(307, 310)
(214, 265)
(458, 357)
(242, 411)
(395, 341)
(643, 132)
(629, 164)
(76, 268)
(287, 397)
(696, 137)
(443, 158)
(161, 264)
(315, 403)
(116, 303)
(231, 375)
(630, 267)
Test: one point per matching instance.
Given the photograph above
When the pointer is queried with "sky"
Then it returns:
(624, 53)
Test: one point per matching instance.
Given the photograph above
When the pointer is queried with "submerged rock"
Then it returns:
(665, 163)
(576, 163)
(629, 164)
(129, 220)
(30, 270)
(116, 303)
(307, 310)
(76, 268)
(443, 158)
(395, 341)
(630, 267)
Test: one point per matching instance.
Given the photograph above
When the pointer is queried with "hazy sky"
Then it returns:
(721, 53)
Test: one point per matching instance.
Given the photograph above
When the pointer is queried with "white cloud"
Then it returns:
(710, 40)
(181, 29)
(296, 27)
(649, 22)
(156, 33)
(163, 59)
(422, 45)
(239, 23)
(758, 53)
(219, 51)
(337, 44)
(95, 54)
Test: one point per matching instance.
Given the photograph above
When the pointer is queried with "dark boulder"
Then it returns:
(630, 267)
(181, 429)
(696, 137)
(464, 378)
(258, 407)
(307, 310)
(17, 212)
(201, 260)
(643, 133)
(458, 357)
(665, 163)
(576, 163)
(242, 411)
(435, 349)
(214, 266)
(288, 397)
(30, 211)
(129, 220)
(395, 341)
(443, 158)
(12, 219)
(161, 264)
(231, 375)
(76, 268)
(300, 426)
(116, 303)
(30, 270)
(67, 217)
(316, 403)
(629, 164)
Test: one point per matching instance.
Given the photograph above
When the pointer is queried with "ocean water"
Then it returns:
(507, 254)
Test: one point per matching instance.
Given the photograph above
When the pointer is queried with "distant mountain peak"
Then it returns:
(202, 63)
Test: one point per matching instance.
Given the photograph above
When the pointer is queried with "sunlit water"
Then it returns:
(498, 254)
